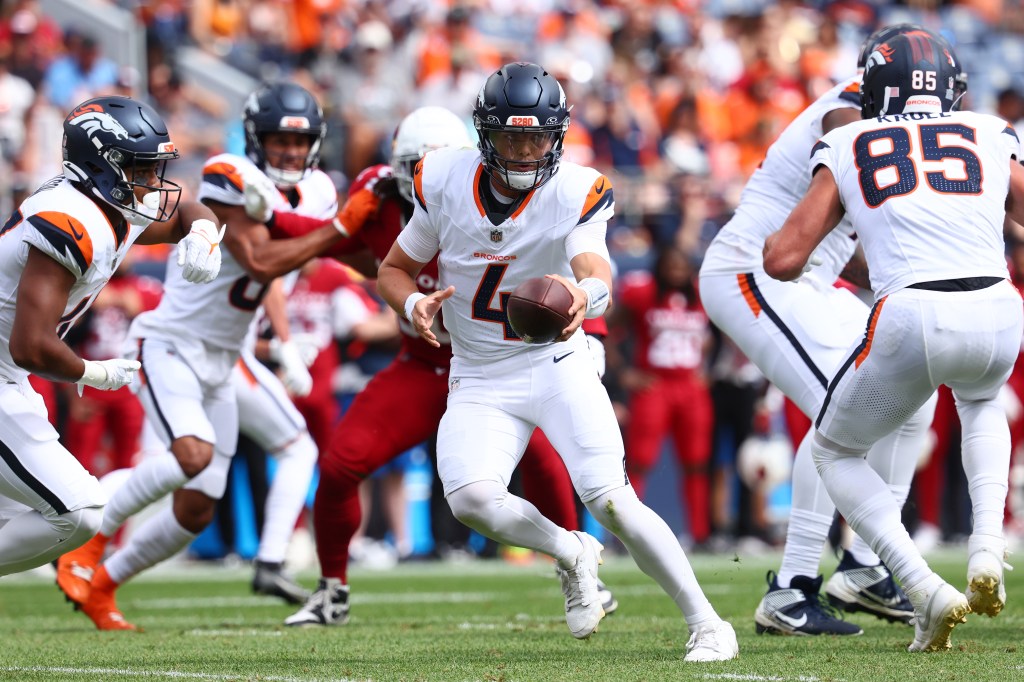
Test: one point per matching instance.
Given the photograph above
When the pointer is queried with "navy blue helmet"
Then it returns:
(113, 145)
(282, 108)
(907, 66)
(521, 108)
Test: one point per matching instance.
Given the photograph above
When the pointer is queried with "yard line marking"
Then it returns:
(175, 674)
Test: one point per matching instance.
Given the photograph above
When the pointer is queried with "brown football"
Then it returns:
(538, 309)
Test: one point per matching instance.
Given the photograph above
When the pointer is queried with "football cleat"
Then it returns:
(986, 591)
(583, 609)
(328, 605)
(76, 568)
(101, 606)
(869, 589)
(937, 611)
(608, 601)
(714, 641)
(799, 610)
(270, 579)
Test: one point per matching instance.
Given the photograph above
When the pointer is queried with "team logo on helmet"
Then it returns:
(92, 119)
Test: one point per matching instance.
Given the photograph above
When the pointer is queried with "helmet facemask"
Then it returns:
(522, 159)
(160, 199)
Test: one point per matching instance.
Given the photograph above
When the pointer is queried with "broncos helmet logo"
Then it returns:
(95, 120)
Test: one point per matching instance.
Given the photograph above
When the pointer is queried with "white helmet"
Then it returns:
(424, 129)
(764, 463)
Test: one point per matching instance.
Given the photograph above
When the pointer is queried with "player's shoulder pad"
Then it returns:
(848, 92)
(369, 177)
(433, 170)
(587, 192)
(73, 230)
(225, 171)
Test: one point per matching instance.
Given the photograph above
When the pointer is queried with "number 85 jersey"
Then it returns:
(926, 193)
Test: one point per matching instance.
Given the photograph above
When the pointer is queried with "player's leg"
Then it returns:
(268, 417)
(63, 503)
(572, 407)
(125, 418)
(692, 425)
(170, 530)
(650, 418)
(398, 409)
(546, 483)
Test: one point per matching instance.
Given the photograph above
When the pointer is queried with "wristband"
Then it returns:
(94, 374)
(340, 227)
(598, 296)
(410, 303)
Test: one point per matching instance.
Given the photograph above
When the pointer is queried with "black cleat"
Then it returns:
(270, 579)
(799, 610)
(869, 589)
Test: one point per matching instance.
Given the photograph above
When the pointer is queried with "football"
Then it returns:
(538, 309)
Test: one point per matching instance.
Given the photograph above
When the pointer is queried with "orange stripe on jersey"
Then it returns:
(250, 378)
(748, 295)
(870, 335)
(853, 87)
(72, 227)
(417, 185)
(476, 190)
(225, 171)
(600, 195)
(519, 210)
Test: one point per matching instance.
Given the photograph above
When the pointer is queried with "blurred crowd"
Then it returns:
(676, 101)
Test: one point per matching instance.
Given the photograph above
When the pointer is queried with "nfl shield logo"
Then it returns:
(497, 235)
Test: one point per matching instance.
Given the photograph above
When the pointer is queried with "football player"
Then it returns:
(372, 432)
(57, 251)
(797, 335)
(190, 343)
(927, 188)
(494, 217)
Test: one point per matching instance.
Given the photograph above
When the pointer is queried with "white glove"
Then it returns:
(108, 375)
(308, 345)
(260, 196)
(294, 375)
(199, 252)
(813, 261)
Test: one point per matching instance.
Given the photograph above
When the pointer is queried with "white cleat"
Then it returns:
(986, 591)
(714, 641)
(327, 606)
(583, 608)
(937, 610)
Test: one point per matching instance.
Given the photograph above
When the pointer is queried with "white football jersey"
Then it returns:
(219, 312)
(566, 216)
(68, 227)
(926, 192)
(778, 185)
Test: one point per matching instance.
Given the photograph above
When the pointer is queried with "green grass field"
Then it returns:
(482, 621)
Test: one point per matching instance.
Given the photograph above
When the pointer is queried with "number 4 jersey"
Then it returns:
(219, 313)
(926, 192)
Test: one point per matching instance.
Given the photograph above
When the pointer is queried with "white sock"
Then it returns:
(870, 508)
(157, 475)
(809, 520)
(488, 508)
(986, 458)
(655, 550)
(159, 538)
(286, 498)
(34, 538)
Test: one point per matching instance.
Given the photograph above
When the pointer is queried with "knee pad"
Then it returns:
(611, 508)
(473, 504)
(76, 527)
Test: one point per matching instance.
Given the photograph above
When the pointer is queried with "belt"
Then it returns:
(961, 284)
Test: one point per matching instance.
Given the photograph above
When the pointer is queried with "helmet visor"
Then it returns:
(521, 150)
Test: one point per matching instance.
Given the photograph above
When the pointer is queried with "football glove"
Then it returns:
(108, 375)
(260, 196)
(358, 209)
(294, 375)
(199, 252)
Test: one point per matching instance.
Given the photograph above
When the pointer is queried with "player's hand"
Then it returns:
(308, 346)
(108, 375)
(578, 309)
(424, 312)
(357, 211)
(294, 374)
(199, 252)
(813, 261)
(261, 195)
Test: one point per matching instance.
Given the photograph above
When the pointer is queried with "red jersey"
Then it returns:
(108, 325)
(670, 329)
(378, 235)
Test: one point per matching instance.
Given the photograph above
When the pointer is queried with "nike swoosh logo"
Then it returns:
(559, 358)
(600, 188)
(78, 235)
(794, 622)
